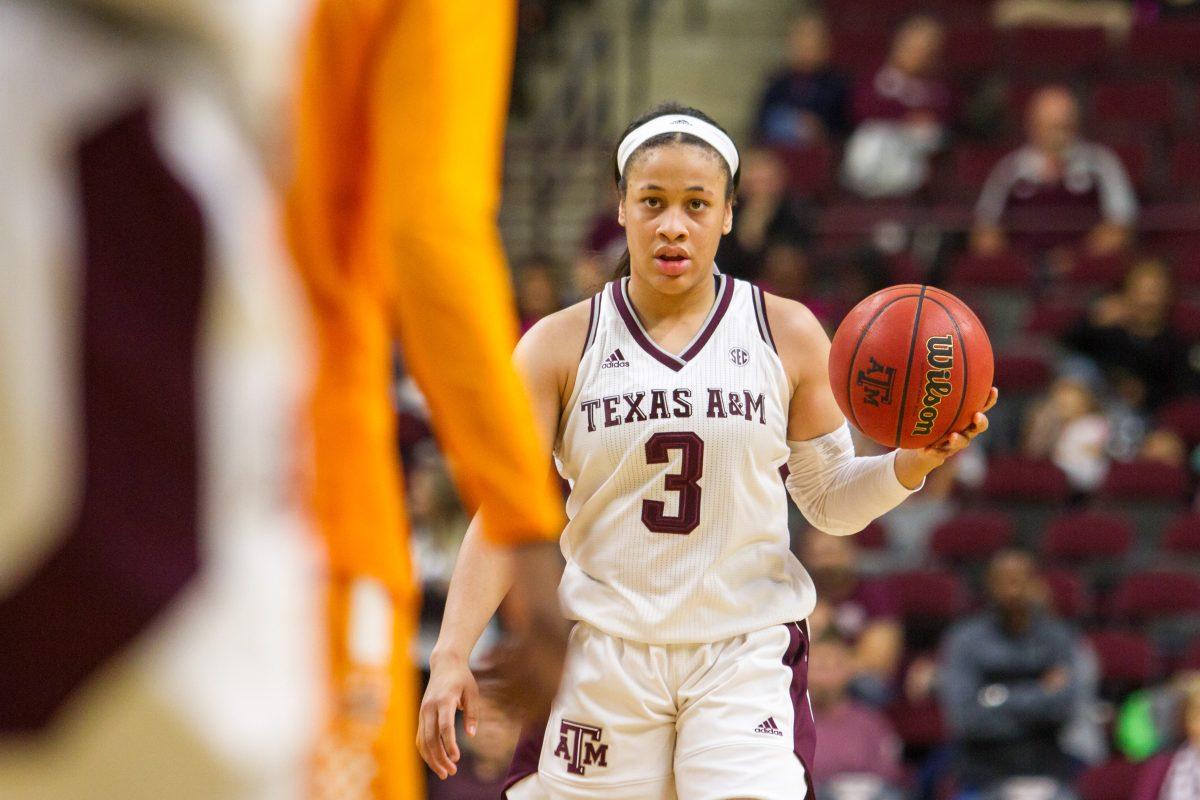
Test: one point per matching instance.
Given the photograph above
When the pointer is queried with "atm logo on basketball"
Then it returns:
(579, 745)
(940, 358)
(876, 381)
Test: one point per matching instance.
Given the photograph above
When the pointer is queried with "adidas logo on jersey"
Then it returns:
(768, 727)
(615, 359)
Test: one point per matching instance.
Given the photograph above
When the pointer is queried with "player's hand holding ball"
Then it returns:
(911, 367)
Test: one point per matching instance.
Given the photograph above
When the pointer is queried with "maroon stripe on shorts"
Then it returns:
(132, 544)
(804, 730)
(526, 756)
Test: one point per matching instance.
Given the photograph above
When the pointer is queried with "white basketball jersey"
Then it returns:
(678, 513)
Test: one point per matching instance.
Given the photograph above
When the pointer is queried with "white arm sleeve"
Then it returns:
(838, 492)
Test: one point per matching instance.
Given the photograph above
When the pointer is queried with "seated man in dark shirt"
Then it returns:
(1128, 335)
(805, 102)
(1008, 682)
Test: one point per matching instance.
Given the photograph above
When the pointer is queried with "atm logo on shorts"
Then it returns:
(579, 745)
(768, 727)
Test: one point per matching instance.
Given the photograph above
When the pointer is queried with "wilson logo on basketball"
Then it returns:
(940, 358)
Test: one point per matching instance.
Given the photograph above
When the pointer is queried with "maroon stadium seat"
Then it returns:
(872, 537)
(1157, 593)
(1185, 164)
(1112, 780)
(1058, 49)
(1142, 102)
(919, 725)
(972, 536)
(861, 50)
(973, 163)
(1183, 535)
(1170, 44)
(1087, 536)
(1136, 158)
(1186, 265)
(809, 169)
(929, 593)
(1185, 318)
(1146, 480)
(879, 14)
(971, 50)
(1125, 657)
(1069, 595)
(849, 224)
(1172, 240)
(928, 602)
(1023, 373)
(1183, 417)
(1008, 269)
(1018, 478)
(1099, 271)
(1054, 317)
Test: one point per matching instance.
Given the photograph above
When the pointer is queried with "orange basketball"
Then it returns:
(910, 365)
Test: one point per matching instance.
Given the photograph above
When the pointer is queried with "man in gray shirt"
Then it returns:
(1008, 681)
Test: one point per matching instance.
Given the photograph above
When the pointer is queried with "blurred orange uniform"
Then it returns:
(401, 113)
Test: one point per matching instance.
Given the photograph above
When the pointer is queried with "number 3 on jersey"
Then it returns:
(691, 469)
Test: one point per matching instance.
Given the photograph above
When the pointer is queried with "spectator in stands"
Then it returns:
(485, 760)
(1128, 335)
(1009, 684)
(859, 755)
(537, 291)
(805, 102)
(1057, 178)
(1175, 775)
(858, 610)
(1164, 446)
(902, 113)
(1068, 427)
(771, 225)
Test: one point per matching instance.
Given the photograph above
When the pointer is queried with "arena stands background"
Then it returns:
(1091, 464)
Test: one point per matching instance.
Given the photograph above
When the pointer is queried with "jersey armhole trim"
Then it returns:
(760, 313)
(593, 317)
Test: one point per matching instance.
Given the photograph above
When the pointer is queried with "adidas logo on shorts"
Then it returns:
(768, 727)
(615, 359)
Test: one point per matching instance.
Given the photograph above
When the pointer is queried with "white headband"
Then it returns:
(678, 123)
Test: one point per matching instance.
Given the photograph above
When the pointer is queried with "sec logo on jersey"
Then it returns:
(739, 356)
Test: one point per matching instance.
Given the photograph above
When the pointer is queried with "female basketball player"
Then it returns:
(685, 672)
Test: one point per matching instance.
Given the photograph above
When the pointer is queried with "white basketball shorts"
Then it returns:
(728, 719)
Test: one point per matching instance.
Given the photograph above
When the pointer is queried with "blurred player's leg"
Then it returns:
(399, 140)
(155, 576)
